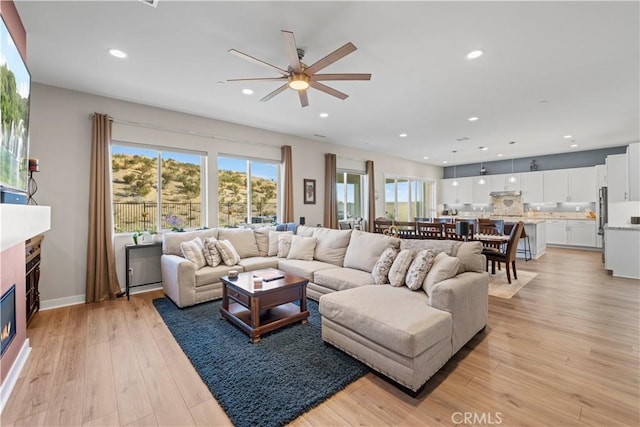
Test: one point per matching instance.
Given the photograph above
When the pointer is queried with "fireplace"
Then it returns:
(8, 316)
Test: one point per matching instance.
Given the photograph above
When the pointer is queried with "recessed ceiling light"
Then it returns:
(247, 91)
(475, 54)
(444, 162)
(573, 145)
(117, 53)
(324, 115)
(403, 135)
(473, 119)
(484, 148)
(568, 136)
(499, 154)
(426, 157)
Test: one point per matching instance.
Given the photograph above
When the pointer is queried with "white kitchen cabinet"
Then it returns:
(581, 233)
(503, 182)
(481, 191)
(617, 178)
(557, 231)
(582, 185)
(556, 185)
(532, 187)
(621, 251)
(601, 176)
(456, 194)
(633, 155)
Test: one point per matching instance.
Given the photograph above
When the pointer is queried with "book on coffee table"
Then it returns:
(269, 274)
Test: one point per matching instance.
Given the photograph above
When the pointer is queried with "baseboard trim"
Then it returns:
(7, 386)
(81, 299)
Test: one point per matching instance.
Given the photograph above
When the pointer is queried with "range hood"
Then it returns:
(504, 193)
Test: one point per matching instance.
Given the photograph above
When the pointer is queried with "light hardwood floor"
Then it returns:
(564, 351)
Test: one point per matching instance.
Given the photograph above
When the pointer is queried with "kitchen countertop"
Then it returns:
(628, 227)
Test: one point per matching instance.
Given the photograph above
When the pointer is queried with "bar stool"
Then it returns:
(526, 245)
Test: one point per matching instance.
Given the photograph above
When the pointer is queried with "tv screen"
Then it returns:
(14, 114)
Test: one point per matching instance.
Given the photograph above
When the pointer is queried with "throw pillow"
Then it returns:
(399, 267)
(192, 250)
(227, 252)
(284, 244)
(419, 268)
(211, 253)
(381, 269)
(470, 254)
(273, 241)
(444, 267)
(302, 248)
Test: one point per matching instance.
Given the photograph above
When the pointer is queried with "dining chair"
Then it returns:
(508, 256)
(429, 230)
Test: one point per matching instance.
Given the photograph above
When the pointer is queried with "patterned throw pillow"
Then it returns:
(284, 245)
(227, 252)
(192, 250)
(419, 268)
(381, 269)
(273, 241)
(399, 267)
(211, 253)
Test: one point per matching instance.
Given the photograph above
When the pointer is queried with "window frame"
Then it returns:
(362, 203)
(160, 150)
(429, 191)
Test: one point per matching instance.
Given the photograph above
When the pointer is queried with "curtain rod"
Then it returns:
(185, 132)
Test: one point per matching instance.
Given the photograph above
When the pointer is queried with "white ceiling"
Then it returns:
(581, 57)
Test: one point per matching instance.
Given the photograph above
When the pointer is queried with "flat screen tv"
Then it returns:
(14, 115)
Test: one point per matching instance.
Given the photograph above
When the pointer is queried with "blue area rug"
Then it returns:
(266, 384)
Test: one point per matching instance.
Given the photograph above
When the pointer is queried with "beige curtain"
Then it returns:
(102, 281)
(330, 192)
(287, 185)
(371, 190)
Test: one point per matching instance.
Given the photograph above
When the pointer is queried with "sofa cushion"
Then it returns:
(365, 248)
(262, 240)
(192, 250)
(171, 241)
(209, 275)
(242, 239)
(284, 245)
(380, 272)
(342, 278)
(361, 309)
(302, 268)
(211, 253)
(420, 266)
(258, 263)
(400, 267)
(302, 248)
(273, 241)
(332, 245)
(470, 255)
(305, 231)
(444, 267)
(228, 253)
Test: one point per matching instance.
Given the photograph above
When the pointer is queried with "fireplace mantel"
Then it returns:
(21, 222)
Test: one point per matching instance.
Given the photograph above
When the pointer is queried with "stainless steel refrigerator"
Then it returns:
(603, 214)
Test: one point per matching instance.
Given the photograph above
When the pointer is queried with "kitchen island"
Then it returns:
(622, 250)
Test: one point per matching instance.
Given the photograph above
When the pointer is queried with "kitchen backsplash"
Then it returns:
(507, 205)
(513, 206)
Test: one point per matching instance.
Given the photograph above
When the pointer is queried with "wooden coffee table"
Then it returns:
(261, 307)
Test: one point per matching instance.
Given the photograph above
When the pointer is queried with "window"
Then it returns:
(349, 194)
(407, 199)
(145, 178)
(247, 191)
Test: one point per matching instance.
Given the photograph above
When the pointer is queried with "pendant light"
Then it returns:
(512, 178)
(455, 181)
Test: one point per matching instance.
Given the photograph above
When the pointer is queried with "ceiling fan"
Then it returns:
(299, 76)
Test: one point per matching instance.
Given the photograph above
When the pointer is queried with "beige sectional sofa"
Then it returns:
(407, 335)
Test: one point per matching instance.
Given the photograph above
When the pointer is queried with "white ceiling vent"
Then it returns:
(153, 3)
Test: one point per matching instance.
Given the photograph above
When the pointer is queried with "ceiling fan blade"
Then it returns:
(304, 99)
(331, 58)
(257, 79)
(292, 51)
(275, 92)
(257, 61)
(329, 90)
(319, 77)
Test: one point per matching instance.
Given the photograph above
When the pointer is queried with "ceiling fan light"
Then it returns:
(299, 82)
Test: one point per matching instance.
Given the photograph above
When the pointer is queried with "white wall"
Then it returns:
(60, 136)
